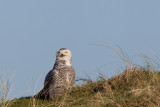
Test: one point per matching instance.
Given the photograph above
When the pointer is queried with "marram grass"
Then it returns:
(133, 87)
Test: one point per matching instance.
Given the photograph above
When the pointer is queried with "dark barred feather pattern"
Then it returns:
(58, 81)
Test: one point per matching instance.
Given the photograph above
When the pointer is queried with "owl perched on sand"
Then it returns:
(61, 78)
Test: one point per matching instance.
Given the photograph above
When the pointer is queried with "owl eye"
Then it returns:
(66, 52)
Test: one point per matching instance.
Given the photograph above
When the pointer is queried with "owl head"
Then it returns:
(63, 54)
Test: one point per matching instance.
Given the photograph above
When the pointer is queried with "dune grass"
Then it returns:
(136, 86)
(4, 90)
(133, 87)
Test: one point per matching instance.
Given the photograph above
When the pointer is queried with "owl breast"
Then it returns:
(61, 81)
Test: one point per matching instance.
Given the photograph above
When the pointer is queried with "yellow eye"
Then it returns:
(66, 52)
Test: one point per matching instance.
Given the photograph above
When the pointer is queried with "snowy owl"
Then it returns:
(61, 78)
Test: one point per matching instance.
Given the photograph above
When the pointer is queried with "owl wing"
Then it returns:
(57, 81)
(71, 76)
(48, 78)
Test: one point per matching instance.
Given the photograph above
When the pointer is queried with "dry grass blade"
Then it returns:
(4, 90)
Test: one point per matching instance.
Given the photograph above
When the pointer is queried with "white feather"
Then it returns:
(67, 76)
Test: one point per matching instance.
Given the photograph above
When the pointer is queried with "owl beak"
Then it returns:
(62, 55)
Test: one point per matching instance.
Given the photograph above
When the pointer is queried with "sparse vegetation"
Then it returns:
(135, 86)
(4, 91)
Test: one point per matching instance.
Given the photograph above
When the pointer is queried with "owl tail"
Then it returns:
(42, 95)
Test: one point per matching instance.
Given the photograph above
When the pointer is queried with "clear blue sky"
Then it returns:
(31, 32)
